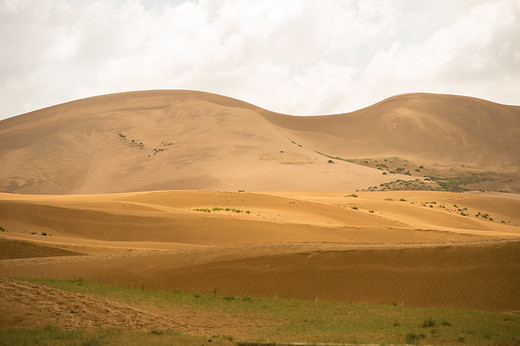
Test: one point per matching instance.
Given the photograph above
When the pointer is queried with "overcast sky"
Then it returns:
(297, 57)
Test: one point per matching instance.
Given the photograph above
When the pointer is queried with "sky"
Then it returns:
(302, 57)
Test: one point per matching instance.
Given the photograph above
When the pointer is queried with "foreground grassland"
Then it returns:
(278, 320)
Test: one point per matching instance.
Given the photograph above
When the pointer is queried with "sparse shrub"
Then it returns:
(228, 298)
(352, 195)
(388, 199)
(330, 161)
(446, 323)
(412, 337)
(44, 233)
(402, 200)
(428, 322)
(355, 208)
(241, 190)
(371, 211)
(205, 210)
(2, 229)
(217, 209)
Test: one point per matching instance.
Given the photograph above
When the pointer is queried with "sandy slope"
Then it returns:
(191, 140)
(294, 244)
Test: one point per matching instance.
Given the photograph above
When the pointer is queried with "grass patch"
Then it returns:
(312, 321)
(204, 210)
(52, 335)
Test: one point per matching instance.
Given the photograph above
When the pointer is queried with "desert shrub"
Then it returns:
(44, 233)
(352, 195)
(413, 338)
(371, 211)
(2, 229)
(228, 298)
(330, 161)
(355, 208)
(402, 200)
(428, 322)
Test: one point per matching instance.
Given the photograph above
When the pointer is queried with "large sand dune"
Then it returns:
(158, 140)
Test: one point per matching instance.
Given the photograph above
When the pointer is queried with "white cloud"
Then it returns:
(299, 57)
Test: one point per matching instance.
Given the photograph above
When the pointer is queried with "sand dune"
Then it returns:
(201, 218)
(180, 140)
(292, 244)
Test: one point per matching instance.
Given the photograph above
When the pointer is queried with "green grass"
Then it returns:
(52, 335)
(291, 320)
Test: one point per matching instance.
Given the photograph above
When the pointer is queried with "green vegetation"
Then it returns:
(352, 195)
(402, 200)
(453, 180)
(52, 335)
(2, 229)
(219, 209)
(287, 320)
(355, 208)
(205, 210)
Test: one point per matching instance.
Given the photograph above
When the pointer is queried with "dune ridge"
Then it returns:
(187, 140)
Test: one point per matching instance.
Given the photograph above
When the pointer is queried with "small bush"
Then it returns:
(446, 323)
(2, 229)
(355, 208)
(412, 338)
(44, 233)
(402, 200)
(228, 298)
(428, 322)
(371, 211)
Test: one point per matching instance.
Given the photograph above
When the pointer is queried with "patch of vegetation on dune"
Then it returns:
(429, 179)
(278, 320)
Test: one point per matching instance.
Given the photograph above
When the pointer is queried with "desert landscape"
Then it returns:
(185, 217)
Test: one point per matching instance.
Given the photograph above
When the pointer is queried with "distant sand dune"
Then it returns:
(164, 140)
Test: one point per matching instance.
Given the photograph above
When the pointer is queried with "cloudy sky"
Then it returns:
(297, 57)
